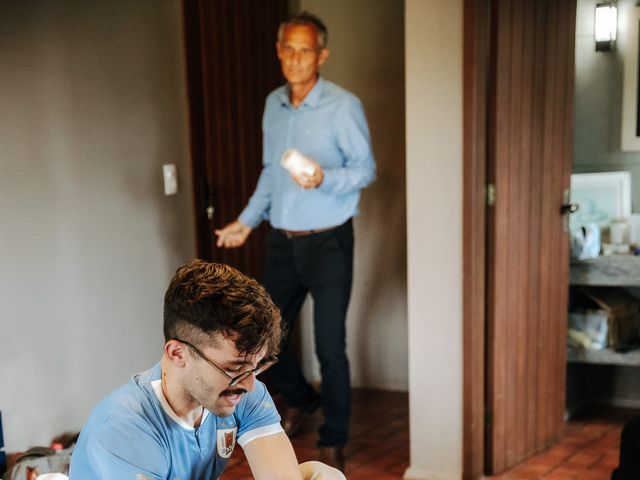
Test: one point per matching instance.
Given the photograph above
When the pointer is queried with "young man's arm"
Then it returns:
(272, 458)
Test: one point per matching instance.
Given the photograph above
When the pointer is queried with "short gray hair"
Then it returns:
(306, 18)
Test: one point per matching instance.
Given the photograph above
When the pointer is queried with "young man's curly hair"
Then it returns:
(205, 298)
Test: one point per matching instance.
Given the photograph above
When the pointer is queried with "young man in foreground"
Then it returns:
(182, 418)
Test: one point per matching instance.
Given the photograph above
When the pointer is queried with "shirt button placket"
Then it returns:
(290, 124)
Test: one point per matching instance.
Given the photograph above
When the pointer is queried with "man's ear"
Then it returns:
(176, 352)
(324, 54)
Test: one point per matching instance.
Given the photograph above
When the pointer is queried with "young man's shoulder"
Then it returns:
(130, 403)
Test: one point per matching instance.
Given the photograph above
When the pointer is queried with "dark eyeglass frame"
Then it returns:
(264, 364)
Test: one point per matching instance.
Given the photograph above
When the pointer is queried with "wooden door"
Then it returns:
(231, 67)
(529, 156)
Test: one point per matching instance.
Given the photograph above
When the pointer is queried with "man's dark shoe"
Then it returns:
(294, 417)
(332, 456)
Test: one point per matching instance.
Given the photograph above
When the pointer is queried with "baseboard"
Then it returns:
(571, 410)
(412, 473)
(619, 402)
(629, 403)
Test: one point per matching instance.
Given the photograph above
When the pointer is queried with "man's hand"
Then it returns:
(309, 181)
(232, 235)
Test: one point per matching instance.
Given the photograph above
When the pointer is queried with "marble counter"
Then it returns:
(610, 271)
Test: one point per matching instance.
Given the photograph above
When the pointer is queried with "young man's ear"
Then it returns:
(176, 352)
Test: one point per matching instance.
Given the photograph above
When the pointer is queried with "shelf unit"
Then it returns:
(604, 357)
(610, 271)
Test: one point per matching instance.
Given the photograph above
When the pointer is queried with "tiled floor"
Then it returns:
(379, 444)
(588, 450)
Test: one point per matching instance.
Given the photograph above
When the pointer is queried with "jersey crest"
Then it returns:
(226, 441)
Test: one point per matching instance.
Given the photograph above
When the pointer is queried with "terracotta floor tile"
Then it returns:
(583, 459)
(560, 476)
(380, 464)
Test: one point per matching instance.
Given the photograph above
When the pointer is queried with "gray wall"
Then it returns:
(598, 103)
(93, 103)
(366, 44)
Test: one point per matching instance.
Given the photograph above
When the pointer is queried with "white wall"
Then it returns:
(93, 103)
(366, 44)
(434, 221)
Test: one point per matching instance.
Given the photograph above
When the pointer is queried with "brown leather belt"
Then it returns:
(302, 233)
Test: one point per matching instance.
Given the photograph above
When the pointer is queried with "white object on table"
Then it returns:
(634, 228)
(618, 233)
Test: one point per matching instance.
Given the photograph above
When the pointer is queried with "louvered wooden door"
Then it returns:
(232, 66)
(529, 157)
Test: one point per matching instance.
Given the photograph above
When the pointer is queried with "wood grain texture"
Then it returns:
(529, 159)
(231, 67)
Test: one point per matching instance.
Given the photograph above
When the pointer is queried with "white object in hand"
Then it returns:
(297, 163)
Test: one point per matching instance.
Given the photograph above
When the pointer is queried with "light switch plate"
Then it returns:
(170, 173)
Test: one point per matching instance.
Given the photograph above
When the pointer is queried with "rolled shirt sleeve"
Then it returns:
(354, 141)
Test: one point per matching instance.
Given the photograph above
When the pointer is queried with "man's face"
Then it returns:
(300, 57)
(209, 387)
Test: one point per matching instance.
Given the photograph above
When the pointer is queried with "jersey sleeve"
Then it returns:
(125, 451)
(257, 416)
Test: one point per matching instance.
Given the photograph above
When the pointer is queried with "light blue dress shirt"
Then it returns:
(330, 127)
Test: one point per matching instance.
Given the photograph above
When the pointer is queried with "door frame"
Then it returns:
(474, 226)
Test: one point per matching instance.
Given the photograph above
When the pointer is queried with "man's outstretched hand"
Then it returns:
(232, 235)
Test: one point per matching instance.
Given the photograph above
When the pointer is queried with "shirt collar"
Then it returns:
(311, 100)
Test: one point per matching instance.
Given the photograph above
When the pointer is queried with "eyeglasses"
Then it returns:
(264, 364)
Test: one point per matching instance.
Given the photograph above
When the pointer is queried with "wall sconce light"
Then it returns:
(606, 26)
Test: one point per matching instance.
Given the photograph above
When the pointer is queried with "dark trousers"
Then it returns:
(629, 468)
(320, 264)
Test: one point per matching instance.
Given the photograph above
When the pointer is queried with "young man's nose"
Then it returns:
(249, 383)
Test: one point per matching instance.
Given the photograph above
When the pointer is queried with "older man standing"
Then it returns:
(310, 203)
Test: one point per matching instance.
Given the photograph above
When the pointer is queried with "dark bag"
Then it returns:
(629, 468)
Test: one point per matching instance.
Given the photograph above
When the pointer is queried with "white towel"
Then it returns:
(52, 476)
